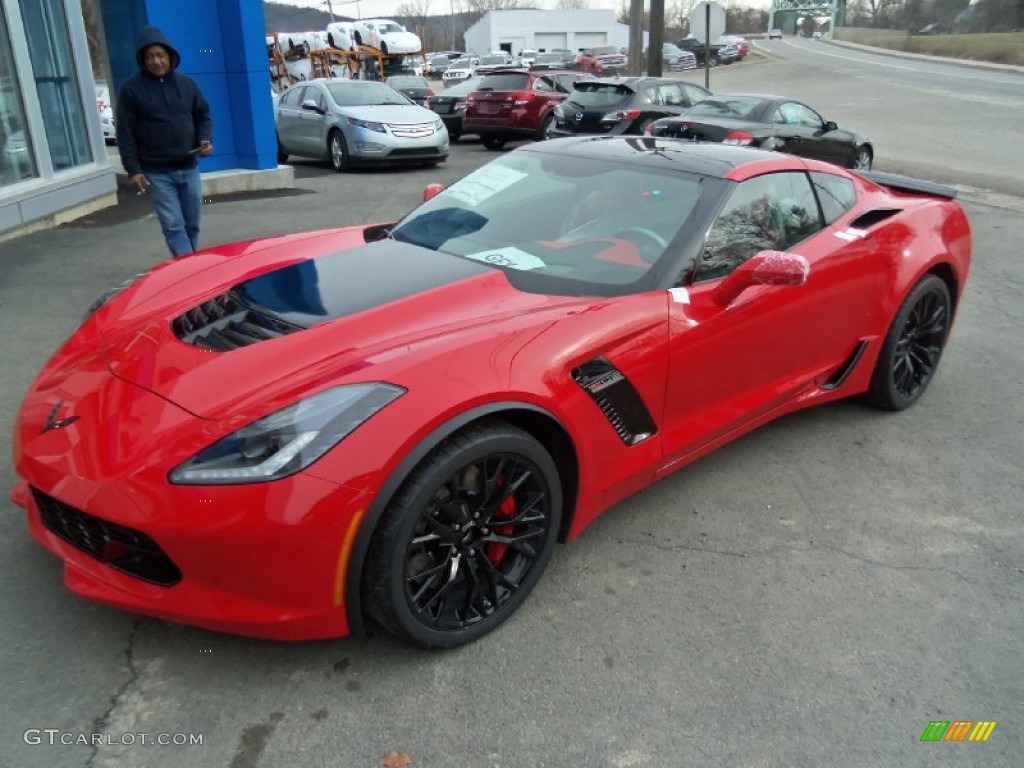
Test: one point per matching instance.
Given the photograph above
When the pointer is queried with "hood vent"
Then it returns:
(227, 322)
(617, 398)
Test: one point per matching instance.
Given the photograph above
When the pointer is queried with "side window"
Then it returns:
(692, 95)
(836, 194)
(565, 83)
(798, 114)
(321, 99)
(291, 99)
(670, 95)
(649, 96)
(544, 85)
(771, 212)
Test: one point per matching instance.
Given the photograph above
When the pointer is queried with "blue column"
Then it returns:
(222, 46)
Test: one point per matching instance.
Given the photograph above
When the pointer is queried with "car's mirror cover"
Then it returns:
(763, 268)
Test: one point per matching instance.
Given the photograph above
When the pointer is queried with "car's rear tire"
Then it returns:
(337, 151)
(493, 142)
(546, 127)
(466, 537)
(913, 346)
(862, 158)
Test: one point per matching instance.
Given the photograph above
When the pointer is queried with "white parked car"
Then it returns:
(303, 41)
(461, 69)
(339, 35)
(389, 36)
(527, 56)
(106, 112)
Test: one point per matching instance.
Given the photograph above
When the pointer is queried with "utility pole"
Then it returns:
(330, 9)
(636, 36)
(656, 38)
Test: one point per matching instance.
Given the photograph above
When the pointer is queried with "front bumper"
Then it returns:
(263, 560)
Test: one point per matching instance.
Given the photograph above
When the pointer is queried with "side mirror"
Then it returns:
(432, 190)
(311, 105)
(830, 126)
(764, 268)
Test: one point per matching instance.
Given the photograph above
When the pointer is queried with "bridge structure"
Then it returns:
(784, 13)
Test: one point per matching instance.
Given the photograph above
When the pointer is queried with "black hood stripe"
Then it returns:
(347, 283)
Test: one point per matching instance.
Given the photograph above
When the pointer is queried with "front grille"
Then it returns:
(424, 152)
(413, 131)
(122, 548)
(226, 322)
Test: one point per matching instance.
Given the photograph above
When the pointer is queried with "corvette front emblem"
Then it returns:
(52, 422)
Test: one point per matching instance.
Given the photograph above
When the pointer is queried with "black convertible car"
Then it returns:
(770, 122)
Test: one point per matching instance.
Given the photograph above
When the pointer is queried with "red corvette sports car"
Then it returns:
(286, 437)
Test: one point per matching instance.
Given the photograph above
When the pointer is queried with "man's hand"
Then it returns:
(139, 183)
(205, 148)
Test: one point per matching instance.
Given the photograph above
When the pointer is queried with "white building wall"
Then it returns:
(520, 29)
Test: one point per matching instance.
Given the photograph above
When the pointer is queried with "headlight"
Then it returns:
(367, 124)
(287, 440)
(438, 124)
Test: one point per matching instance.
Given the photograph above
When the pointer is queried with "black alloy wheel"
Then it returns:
(465, 539)
(913, 346)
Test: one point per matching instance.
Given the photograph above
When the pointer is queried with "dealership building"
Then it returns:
(53, 160)
(514, 31)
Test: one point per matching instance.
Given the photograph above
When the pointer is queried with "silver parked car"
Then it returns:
(352, 122)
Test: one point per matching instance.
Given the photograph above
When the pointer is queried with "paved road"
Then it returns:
(811, 595)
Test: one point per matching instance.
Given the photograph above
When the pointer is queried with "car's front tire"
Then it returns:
(862, 158)
(282, 156)
(466, 537)
(913, 345)
(337, 151)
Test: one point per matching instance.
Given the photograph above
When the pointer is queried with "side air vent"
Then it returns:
(872, 217)
(226, 322)
(617, 398)
(843, 371)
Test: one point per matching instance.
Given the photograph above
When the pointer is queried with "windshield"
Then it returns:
(365, 94)
(462, 64)
(604, 50)
(566, 224)
(728, 106)
(407, 81)
(493, 60)
(599, 94)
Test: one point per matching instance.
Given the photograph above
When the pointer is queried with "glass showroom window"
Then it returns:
(53, 66)
(16, 158)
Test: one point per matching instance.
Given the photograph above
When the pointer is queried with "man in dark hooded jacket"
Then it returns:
(163, 124)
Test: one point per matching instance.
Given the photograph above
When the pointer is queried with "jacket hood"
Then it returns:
(154, 36)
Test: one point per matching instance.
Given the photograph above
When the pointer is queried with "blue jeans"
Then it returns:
(178, 200)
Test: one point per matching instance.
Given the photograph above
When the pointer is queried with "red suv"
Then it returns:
(514, 104)
(603, 60)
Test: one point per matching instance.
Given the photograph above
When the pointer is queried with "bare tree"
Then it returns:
(482, 6)
(572, 5)
(875, 12)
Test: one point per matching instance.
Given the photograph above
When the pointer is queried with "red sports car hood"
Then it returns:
(266, 327)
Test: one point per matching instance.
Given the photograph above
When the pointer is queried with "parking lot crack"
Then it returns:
(101, 722)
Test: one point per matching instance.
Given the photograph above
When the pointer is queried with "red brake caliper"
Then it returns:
(496, 552)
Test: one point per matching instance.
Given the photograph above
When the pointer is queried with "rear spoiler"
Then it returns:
(909, 184)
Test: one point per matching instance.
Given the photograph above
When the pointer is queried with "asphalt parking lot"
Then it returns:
(811, 595)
